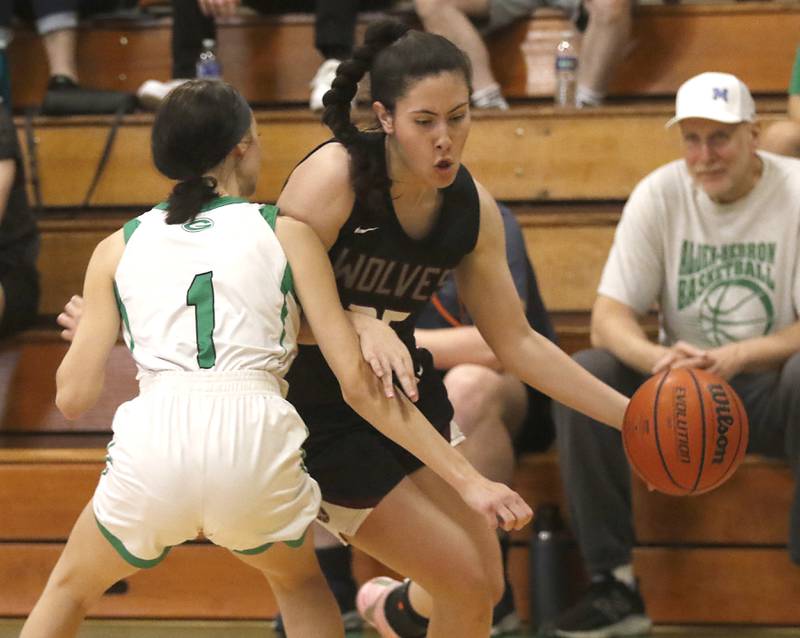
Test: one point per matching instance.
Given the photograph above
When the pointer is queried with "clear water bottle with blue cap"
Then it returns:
(208, 66)
(566, 74)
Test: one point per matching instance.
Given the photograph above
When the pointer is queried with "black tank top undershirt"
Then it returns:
(382, 271)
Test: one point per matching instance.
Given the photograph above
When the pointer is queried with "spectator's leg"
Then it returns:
(597, 482)
(604, 43)
(189, 28)
(5, 39)
(19, 299)
(57, 23)
(490, 409)
(19, 287)
(451, 18)
(334, 28)
(334, 33)
(773, 406)
(789, 396)
(596, 472)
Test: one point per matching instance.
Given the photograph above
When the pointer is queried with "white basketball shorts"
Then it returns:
(211, 453)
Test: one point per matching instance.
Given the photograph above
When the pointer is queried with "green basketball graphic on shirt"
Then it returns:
(735, 309)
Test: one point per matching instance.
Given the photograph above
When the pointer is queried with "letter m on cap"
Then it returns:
(719, 94)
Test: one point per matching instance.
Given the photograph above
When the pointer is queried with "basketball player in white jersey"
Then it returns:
(204, 286)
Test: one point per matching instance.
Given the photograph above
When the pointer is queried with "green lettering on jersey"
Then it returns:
(201, 296)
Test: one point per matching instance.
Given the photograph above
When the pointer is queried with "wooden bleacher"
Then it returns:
(272, 59)
(566, 176)
(694, 555)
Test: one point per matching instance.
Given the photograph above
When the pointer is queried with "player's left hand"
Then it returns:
(70, 317)
(386, 354)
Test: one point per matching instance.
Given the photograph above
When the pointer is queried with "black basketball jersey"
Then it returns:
(383, 272)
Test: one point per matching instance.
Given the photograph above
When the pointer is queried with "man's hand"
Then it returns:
(71, 317)
(218, 8)
(682, 355)
(727, 361)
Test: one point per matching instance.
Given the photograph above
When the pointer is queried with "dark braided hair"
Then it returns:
(196, 126)
(395, 56)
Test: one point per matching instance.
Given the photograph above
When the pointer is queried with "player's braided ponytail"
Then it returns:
(369, 179)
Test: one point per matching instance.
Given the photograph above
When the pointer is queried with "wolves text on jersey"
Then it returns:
(387, 277)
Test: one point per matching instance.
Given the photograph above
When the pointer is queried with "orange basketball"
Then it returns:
(685, 431)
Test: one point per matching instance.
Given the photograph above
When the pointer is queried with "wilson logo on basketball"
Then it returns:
(722, 410)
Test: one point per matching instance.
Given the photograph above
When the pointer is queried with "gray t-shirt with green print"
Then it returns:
(717, 272)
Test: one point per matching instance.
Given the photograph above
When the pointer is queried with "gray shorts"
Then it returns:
(504, 12)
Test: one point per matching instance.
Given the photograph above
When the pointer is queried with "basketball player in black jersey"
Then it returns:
(397, 211)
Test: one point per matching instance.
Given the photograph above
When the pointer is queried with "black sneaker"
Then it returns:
(65, 97)
(608, 609)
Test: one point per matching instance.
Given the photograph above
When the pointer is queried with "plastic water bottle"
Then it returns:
(549, 565)
(208, 66)
(566, 74)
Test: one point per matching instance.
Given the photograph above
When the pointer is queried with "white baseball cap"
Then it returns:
(714, 96)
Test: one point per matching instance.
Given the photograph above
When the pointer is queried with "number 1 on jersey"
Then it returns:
(201, 296)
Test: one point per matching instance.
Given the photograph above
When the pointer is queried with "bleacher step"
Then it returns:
(531, 153)
(272, 59)
(696, 556)
(568, 247)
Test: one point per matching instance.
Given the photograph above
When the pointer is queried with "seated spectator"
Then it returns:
(194, 21)
(57, 22)
(604, 42)
(498, 413)
(19, 237)
(783, 137)
(713, 239)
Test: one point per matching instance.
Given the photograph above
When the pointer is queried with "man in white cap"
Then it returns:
(712, 240)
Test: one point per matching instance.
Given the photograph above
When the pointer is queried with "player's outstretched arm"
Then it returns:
(397, 418)
(488, 291)
(81, 375)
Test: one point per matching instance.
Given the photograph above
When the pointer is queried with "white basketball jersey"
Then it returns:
(212, 294)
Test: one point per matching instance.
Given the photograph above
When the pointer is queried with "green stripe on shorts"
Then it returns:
(117, 544)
